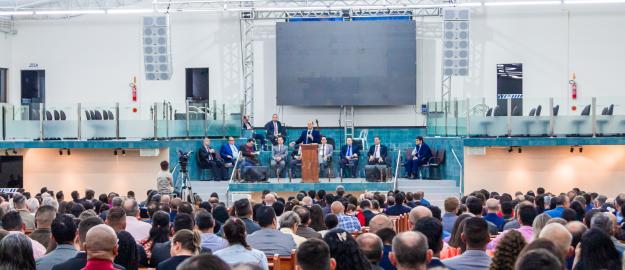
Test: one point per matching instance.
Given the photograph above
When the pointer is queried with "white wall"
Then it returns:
(5, 50)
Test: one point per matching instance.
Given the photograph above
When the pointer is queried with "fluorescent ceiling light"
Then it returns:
(570, 2)
(522, 3)
(69, 12)
(129, 11)
(470, 4)
(16, 13)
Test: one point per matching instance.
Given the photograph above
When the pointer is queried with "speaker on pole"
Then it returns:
(456, 42)
(156, 48)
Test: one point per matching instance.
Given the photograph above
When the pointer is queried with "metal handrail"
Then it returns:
(234, 168)
(461, 172)
(396, 168)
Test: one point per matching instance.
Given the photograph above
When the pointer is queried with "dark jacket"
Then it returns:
(171, 263)
(78, 263)
(269, 127)
(303, 138)
(204, 156)
(160, 253)
(383, 151)
(355, 150)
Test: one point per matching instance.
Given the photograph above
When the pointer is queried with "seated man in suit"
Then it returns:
(377, 153)
(325, 156)
(229, 151)
(247, 126)
(420, 155)
(278, 156)
(210, 159)
(310, 135)
(296, 159)
(274, 129)
(251, 157)
(349, 156)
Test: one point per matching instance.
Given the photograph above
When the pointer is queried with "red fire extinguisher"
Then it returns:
(573, 84)
(133, 87)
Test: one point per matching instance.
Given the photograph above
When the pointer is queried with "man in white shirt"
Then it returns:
(377, 152)
(229, 151)
(138, 229)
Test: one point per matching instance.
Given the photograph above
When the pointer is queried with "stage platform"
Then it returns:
(435, 190)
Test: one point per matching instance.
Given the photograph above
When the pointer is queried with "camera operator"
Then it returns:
(164, 179)
(209, 158)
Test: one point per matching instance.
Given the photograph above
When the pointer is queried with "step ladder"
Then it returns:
(348, 127)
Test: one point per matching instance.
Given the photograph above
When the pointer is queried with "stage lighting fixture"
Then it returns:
(520, 151)
(510, 149)
(115, 152)
(68, 152)
(14, 151)
(572, 149)
(581, 149)
(123, 152)
(60, 152)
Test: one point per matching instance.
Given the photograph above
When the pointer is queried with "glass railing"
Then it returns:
(584, 116)
(124, 121)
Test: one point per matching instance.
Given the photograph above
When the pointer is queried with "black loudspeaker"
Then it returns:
(375, 173)
(255, 173)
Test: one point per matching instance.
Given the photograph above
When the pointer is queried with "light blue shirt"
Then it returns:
(238, 254)
(469, 260)
(59, 255)
(272, 241)
(235, 152)
(213, 242)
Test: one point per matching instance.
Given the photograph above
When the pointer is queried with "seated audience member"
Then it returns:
(410, 251)
(449, 217)
(418, 213)
(606, 222)
(596, 251)
(559, 236)
(379, 222)
(130, 254)
(205, 262)
(289, 221)
(138, 229)
(268, 239)
(420, 156)
(399, 207)
(249, 154)
(346, 222)
(561, 203)
(317, 222)
(303, 229)
(377, 153)
(239, 251)
(159, 233)
(63, 232)
(325, 156)
(273, 129)
(209, 158)
(492, 208)
(43, 220)
(184, 245)
(539, 223)
(507, 251)
(278, 157)
(475, 207)
(345, 250)
(432, 229)
(577, 229)
(19, 204)
(365, 214)
(507, 211)
(373, 248)
(205, 224)
(101, 247)
(314, 254)
(387, 235)
(161, 251)
(164, 180)
(331, 222)
(349, 158)
(243, 210)
(526, 216)
(538, 259)
(16, 253)
(310, 135)
(12, 223)
(229, 151)
(475, 236)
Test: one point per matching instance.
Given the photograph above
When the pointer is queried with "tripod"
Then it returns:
(186, 193)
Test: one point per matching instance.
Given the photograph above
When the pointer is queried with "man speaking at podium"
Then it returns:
(310, 135)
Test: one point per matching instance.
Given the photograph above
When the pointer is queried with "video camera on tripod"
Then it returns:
(186, 192)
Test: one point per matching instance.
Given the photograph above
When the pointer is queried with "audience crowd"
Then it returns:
(324, 230)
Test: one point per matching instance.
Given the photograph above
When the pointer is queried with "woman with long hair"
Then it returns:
(128, 255)
(16, 253)
(596, 251)
(456, 245)
(184, 245)
(159, 233)
(345, 250)
(539, 223)
(239, 251)
(507, 251)
(317, 222)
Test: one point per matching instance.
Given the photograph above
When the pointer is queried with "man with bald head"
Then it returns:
(379, 222)
(561, 237)
(492, 207)
(373, 248)
(269, 199)
(101, 247)
(346, 222)
(417, 213)
(410, 251)
(138, 229)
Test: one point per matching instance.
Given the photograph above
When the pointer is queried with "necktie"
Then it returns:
(275, 129)
(210, 156)
(323, 150)
(349, 151)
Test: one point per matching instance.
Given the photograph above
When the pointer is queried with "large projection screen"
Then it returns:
(353, 63)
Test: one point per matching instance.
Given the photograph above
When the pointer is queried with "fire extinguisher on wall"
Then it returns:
(573, 85)
(133, 87)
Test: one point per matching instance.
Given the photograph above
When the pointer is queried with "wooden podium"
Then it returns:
(310, 163)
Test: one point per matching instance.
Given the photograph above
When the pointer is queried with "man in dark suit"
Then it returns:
(210, 159)
(251, 157)
(229, 151)
(377, 153)
(310, 135)
(274, 129)
(349, 158)
(420, 155)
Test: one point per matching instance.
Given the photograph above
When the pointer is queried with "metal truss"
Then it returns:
(247, 62)
(6, 25)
